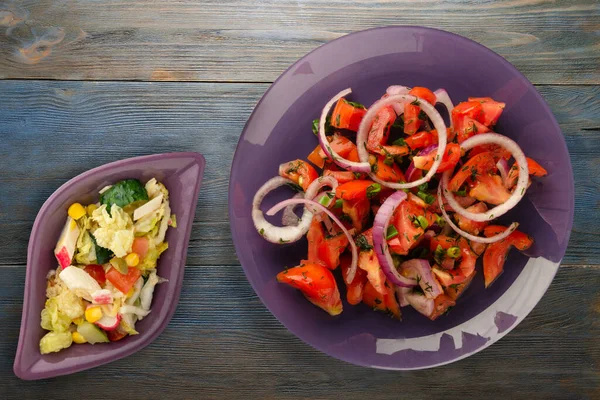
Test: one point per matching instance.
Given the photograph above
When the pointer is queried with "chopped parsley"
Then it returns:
(373, 190)
(426, 197)
(422, 115)
(399, 142)
(392, 232)
(362, 243)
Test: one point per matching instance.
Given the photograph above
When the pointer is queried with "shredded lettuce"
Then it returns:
(55, 341)
(53, 319)
(154, 188)
(128, 323)
(149, 222)
(70, 304)
(86, 250)
(149, 262)
(115, 231)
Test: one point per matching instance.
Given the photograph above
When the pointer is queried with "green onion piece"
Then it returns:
(453, 252)
(440, 221)
(426, 197)
(373, 190)
(392, 232)
(338, 203)
(423, 221)
(325, 201)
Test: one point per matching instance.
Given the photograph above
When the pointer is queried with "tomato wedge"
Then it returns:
(424, 93)
(409, 232)
(441, 305)
(347, 115)
(354, 290)
(491, 109)
(97, 272)
(299, 172)
(496, 253)
(386, 169)
(384, 302)
(380, 129)
(340, 176)
(422, 139)
(330, 249)
(316, 283)
(470, 226)
(449, 161)
(490, 189)
(477, 165)
(317, 157)
(412, 123)
(123, 282)
(357, 190)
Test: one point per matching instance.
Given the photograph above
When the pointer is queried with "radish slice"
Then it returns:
(352, 270)
(342, 162)
(516, 196)
(277, 234)
(380, 226)
(365, 125)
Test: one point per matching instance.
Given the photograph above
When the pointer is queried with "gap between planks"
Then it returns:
(585, 266)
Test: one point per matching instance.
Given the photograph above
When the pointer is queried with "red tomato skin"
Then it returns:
(97, 272)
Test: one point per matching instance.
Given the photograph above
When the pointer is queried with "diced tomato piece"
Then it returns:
(441, 304)
(386, 169)
(466, 127)
(441, 240)
(468, 257)
(455, 290)
(342, 145)
(475, 166)
(424, 93)
(498, 152)
(422, 139)
(409, 234)
(358, 211)
(97, 272)
(316, 283)
(384, 302)
(330, 249)
(346, 115)
(478, 248)
(315, 237)
(391, 303)
(489, 188)
(355, 190)
(140, 246)
(299, 172)
(471, 109)
(491, 109)
(380, 129)
(470, 226)
(449, 161)
(367, 261)
(496, 253)
(353, 155)
(316, 157)
(535, 169)
(116, 334)
(123, 282)
(354, 290)
(340, 176)
(412, 123)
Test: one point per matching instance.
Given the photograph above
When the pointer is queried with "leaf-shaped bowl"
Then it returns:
(182, 175)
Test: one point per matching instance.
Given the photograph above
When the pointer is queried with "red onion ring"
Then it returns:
(397, 89)
(467, 235)
(277, 207)
(503, 168)
(421, 270)
(517, 194)
(316, 185)
(289, 217)
(342, 162)
(380, 225)
(363, 133)
(443, 97)
(272, 233)
(401, 293)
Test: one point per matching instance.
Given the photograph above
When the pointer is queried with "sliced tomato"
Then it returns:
(409, 235)
(367, 261)
(422, 139)
(380, 129)
(317, 157)
(386, 169)
(491, 109)
(424, 93)
(535, 169)
(354, 290)
(470, 226)
(455, 290)
(466, 127)
(441, 240)
(468, 257)
(340, 176)
(97, 272)
(490, 189)
(449, 161)
(299, 172)
(317, 284)
(393, 308)
(384, 302)
(478, 248)
(347, 115)
(353, 155)
(358, 212)
(116, 334)
(355, 190)
(496, 253)
(140, 246)
(315, 237)
(123, 282)
(412, 123)
(330, 249)
(441, 305)
(475, 166)
(498, 152)
(471, 109)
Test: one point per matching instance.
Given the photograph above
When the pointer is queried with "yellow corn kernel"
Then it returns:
(76, 211)
(78, 321)
(78, 338)
(132, 259)
(93, 314)
(91, 208)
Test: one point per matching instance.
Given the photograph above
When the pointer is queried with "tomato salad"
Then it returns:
(402, 204)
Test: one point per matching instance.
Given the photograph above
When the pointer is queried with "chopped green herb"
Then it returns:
(399, 142)
(357, 175)
(373, 190)
(423, 186)
(337, 120)
(423, 223)
(440, 221)
(426, 197)
(262, 231)
(392, 232)
(362, 243)
(461, 193)
(281, 240)
(453, 252)
(338, 203)
(295, 187)
(422, 115)
(354, 104)
(415, 102)
(466, 167)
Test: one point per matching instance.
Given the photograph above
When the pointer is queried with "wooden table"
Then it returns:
(84, 83)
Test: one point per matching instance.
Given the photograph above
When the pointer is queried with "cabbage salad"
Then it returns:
(107, 255)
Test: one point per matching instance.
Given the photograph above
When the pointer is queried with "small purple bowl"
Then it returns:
(182, 175)
(279, 130)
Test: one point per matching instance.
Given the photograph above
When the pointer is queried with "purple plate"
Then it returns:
(279, 130)
(182, 175)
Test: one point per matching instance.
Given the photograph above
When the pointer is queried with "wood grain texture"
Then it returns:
(550, 41)
(71, 127)
(222, 343)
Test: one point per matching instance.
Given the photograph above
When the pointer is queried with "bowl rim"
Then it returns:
(393, 28)
(150, 336)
